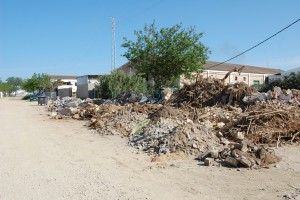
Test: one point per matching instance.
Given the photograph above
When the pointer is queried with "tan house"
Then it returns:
(250, 75)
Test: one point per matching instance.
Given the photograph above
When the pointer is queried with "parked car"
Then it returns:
(33, 97)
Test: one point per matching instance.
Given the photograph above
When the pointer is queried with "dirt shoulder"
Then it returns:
(61, 159)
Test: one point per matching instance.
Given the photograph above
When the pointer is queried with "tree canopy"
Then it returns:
(12, 84)
(167, 53)
(14, 81)
(6, 87)
(37, 82)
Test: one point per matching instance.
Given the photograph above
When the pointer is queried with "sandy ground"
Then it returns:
(61, 159)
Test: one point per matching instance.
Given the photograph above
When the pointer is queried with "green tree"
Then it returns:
(166, 54)
(14, 81)
(5, 87)
(37, 82)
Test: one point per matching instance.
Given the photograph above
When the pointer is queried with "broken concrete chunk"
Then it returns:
(53, 114)
(65, 111)
(74, 103)
(58, 116)
(220, 124)
(76, 116)
(189, 121)
(208, 161)
(214, 154)
(261, 96)
(245, 162)
(231, 161)
(204, 155)
(74, 110)
(208, 124)
(238, 136)
(83, 104)
(269, 95)
(242, 147)
(285, 97)
(277, 91)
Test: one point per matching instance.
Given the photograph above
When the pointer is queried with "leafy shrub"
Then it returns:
(26, 97)
(110, 86)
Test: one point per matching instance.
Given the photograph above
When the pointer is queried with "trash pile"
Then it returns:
(121, 123)
(210, 92)
(126, 97)
(275, 97)
(266, 124)
(230, 125)
(169, 130)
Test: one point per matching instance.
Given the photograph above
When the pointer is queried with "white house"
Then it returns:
(67, 85)
(280, 76)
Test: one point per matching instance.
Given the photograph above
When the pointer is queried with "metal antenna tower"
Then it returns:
(113, 44)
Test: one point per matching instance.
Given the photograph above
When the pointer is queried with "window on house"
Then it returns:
(235, 78)
(244, 78)
(256, 82)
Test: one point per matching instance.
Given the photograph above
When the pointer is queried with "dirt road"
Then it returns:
(52, 159)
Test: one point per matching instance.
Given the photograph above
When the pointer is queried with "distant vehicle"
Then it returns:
(33, 97)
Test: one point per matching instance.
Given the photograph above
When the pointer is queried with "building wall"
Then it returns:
(86, 91)
(282, 75)
(82, 80)
(51, 95)
(248, 78)
(85, 80)
(64, 92)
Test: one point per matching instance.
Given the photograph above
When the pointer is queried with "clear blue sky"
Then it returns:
(73, 37)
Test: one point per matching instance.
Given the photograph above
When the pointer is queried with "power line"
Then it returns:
(256, 44)
(142, 11)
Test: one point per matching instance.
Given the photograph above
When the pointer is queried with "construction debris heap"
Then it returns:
(230, 125)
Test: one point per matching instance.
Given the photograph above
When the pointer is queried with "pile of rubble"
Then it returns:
(169, 130)
(210, 92)
(266, 124)
(242, 154)
(121, 123)
(65, 107)
(224, 124)
(275, 96)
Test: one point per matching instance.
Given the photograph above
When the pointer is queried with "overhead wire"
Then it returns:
(255, 45)
(142, 11)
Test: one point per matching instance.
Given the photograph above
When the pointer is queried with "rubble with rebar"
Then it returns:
(231, 125)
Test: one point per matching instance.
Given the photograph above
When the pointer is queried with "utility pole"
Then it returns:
(113, 44)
